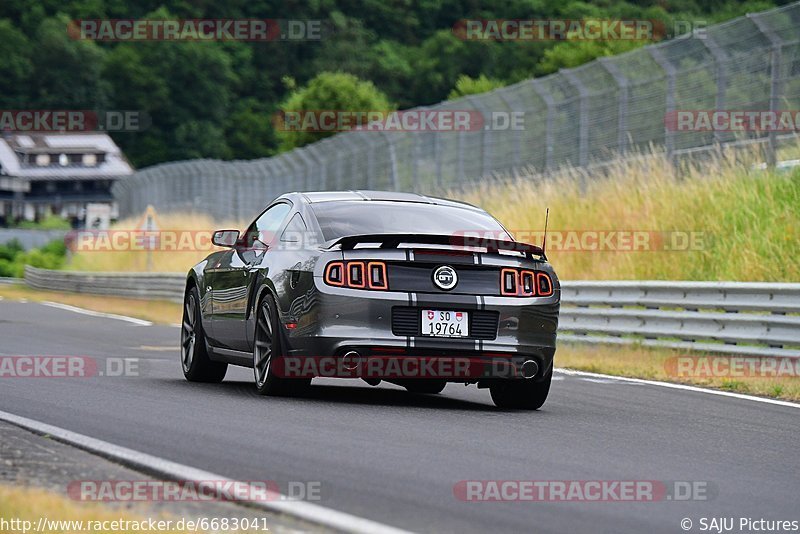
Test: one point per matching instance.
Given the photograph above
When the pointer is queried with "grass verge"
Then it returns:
(660, 364)
(157, 311)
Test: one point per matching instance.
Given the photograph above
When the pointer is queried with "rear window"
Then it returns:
(340, 219)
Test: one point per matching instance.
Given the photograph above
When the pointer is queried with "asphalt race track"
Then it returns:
(393, 457)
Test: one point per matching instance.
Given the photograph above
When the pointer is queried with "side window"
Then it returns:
(266, 225)
(295, 231)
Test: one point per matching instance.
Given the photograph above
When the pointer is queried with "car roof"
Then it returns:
(316, 197)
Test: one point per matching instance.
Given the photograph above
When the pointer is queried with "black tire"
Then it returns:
(197, 366)
(267, 347)
(425, 385)
(521, 394)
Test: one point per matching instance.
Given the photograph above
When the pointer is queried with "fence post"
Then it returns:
(346, 140)
(298, 175)
(622, 103)
(720, 58)
(549, 122)
(517, 150)
(415, 157)
(583, 115)
(437, 155)
(775, 80)
(670, 72)
(321, 163)
(301, 153)
(370, 165)
(486, 135)
(392, 159)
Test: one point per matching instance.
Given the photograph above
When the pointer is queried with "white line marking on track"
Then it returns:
(306, 511)
(139, 322)
(597, 380)
(572, 372)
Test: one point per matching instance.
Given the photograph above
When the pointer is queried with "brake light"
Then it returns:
(508, 282)
(357, 275)
(544, 285)
(377, 275)
(334, 273)
(525, 283)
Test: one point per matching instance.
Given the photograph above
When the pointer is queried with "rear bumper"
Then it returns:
(339, 320)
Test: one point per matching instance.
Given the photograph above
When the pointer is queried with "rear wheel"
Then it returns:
(266, 349)
(197, 366)
(520, 393)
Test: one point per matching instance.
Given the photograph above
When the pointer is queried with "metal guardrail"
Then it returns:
(759, 319)
(167, 286)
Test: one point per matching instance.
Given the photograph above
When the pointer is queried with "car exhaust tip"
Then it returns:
(529, 369)
(351, 360)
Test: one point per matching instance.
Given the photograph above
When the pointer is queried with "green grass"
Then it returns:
(748, 221)
(49, 222)
(13, 258)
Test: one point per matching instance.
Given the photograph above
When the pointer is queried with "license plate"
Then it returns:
(442, 323)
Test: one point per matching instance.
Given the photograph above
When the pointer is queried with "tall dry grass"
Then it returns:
(745, 222)
(190, 231)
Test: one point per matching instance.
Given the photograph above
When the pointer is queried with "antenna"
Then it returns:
(544, 238)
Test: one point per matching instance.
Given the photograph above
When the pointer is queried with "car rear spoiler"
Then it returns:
(394, 240)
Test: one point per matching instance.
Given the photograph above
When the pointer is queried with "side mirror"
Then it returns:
(225, 238)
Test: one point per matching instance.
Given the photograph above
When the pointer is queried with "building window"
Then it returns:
(90, 160)
(42, 160)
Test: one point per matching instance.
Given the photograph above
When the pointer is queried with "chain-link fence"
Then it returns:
(578, 117)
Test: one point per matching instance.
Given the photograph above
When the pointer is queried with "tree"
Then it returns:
(67, 72)
(15, 66)
(569, 54)
(472, 86)
(329, 91)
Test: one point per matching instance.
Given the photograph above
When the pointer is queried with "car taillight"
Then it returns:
(525, 283)
(334, 273)
(357, 275)
(377, 275)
